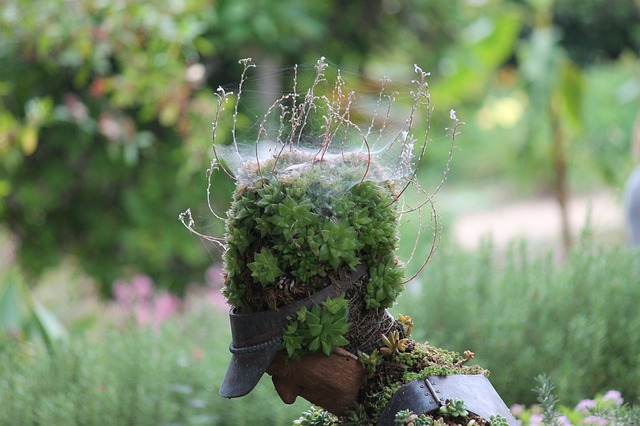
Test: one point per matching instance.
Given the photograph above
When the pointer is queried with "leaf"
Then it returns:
(326, 348)
(301, 315)
(29, 139)
(315, 329)
(340, 341)
(313, 317)
(571, 90)
(49, 326)
(10, 307)
(315, 344)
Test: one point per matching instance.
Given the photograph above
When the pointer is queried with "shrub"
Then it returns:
(524, 314)
(169, 375)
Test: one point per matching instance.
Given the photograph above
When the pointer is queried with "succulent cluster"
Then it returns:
(290, 230)
(315, 416)
(321, 328)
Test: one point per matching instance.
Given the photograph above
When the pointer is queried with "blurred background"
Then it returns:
(105, 136)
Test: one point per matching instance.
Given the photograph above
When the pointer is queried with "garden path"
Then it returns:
(537, 220)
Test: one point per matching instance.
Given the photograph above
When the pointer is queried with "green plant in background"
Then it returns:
(130, 86)
(102, 112)
(22, 317)
(555, 88)
(558, 318)
(608, 408)
(134, 376)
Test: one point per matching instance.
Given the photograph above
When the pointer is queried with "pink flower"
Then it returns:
(165, 306)
(585, 405)
(564, 421)
(215, 282)
(517, 410)
(213, 276)
(142, 286)
(143, 313)
(122, 292)
(139, 299)
(595, 420)
(218, 300)
(536, 419)
(615, 396)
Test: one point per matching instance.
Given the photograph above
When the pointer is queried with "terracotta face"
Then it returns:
(331, 382)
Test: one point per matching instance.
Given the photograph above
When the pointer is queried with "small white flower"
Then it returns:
(452, 115)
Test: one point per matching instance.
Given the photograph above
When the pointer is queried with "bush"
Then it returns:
(102, 119)
(524, 314)
(134, 377)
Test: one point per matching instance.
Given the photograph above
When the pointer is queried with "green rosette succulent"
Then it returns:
(288, 232)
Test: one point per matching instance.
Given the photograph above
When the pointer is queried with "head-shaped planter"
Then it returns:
(312, 236)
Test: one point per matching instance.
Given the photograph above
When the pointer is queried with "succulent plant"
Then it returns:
(315, 416)
(454, 408)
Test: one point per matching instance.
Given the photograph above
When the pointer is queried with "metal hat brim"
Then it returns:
(245, 371)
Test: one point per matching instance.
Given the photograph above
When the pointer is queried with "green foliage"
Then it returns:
(607, 408)
(385, 284)
(585, 22)
(524, 313)
(370, 361)
(137, 377)
(319, 222)
(393, 343)
(321, 328)
(23, 317)
(409, 418)
(622, 415)
(339, 244)
(498, 420)
(315, 416)
(454, 408)
(547, 399)
(265, 267)
(100, 129)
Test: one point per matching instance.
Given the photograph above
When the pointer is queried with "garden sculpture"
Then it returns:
(311, 265)
(632, 207)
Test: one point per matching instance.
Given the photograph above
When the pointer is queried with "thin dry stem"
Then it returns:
(340, 124)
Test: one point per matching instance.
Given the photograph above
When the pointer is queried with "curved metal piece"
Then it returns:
(414, 396)
(476, 391)
(427, 396)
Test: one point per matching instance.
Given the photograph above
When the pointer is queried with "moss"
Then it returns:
(419, 361)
